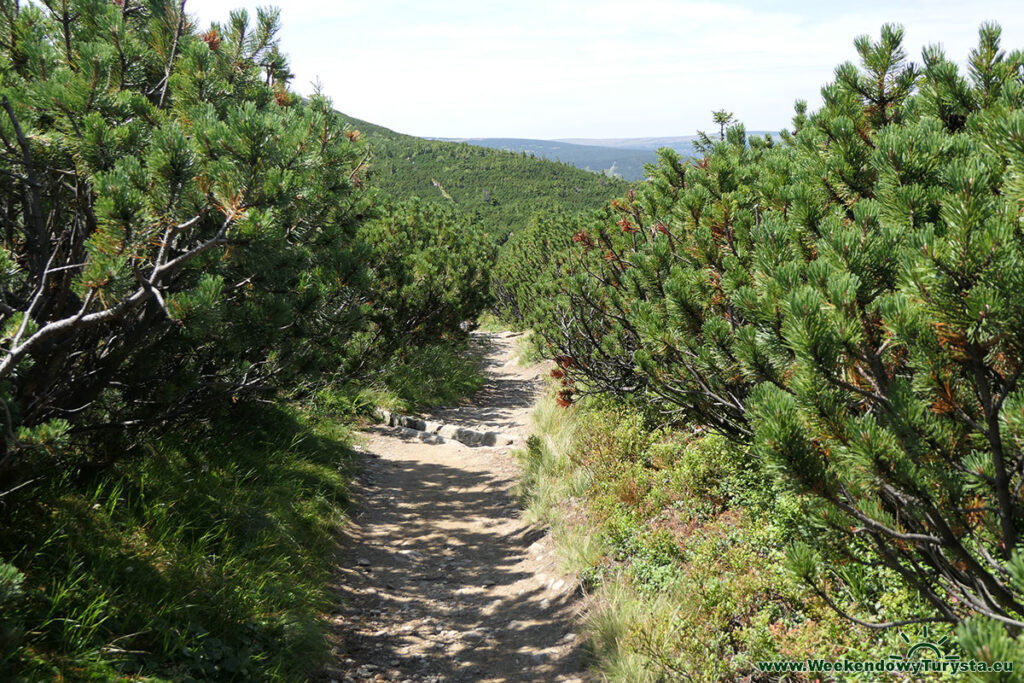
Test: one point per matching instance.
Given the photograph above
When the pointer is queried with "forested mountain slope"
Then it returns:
(500, 189)
(618, 162)
(625, 158)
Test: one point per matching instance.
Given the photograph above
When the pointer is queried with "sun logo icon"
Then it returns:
(925, 648)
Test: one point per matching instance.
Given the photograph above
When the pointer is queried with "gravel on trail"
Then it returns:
(439, 578)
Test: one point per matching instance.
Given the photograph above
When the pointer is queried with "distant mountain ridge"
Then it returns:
(677, 142)
(621, 157)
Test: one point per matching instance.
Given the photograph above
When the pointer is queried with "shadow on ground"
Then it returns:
(439, 578)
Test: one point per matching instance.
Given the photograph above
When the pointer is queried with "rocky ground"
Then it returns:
(439, 578)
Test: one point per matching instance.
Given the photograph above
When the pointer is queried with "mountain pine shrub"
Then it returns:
(181, 231)
(842, 301)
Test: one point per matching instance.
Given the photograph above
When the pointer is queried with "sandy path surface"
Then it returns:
(439, 578)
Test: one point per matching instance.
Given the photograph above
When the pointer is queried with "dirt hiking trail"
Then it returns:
(439, 578)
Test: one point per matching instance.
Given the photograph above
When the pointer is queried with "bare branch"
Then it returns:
(878, 626)
(139, 296)
(36, 230)
(174, 52)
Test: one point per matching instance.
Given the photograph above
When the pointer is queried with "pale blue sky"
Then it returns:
(593, 68)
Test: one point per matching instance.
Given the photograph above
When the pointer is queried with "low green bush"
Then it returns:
(842, 301)
(680, 540)
(429, 376)
(412, 380)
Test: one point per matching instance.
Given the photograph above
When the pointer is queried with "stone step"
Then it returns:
(436, 432)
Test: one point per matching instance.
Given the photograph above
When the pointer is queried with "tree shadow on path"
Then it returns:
(438, 576)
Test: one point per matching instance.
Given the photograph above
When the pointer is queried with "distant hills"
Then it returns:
(620, 157)
(625, 163)
(502, 182)
(497, 186)
(678, 143)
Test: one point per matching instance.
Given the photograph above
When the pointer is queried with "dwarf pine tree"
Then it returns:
(180, 229)
(898, 409)
(171, 213)
(844, 302)
(429, 274)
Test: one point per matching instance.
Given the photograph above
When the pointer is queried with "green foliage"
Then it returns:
(843, 304)
(205, 555)
(723, 118)
(987, 641)
(413, 379)
(496, 189)
(184, 232)
(186, 242)
(431, 376)
(489, 322)
(680, 541)
(529, 265)
(617, 158)
(177, 219)
(429, 273)
(12, 593)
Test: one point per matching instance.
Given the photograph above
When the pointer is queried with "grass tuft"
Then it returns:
(430, 376)
(203, 556)
(528, 350)
(679, 539)
(488, 322)
(416, 379)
